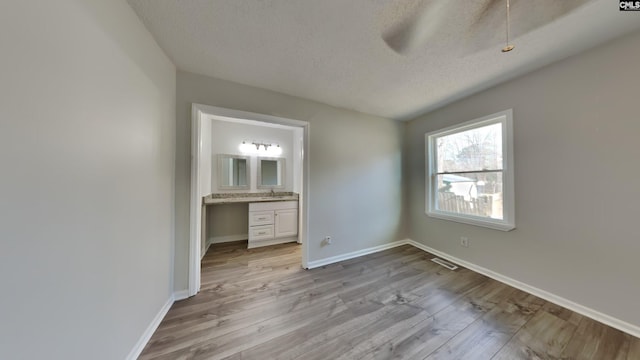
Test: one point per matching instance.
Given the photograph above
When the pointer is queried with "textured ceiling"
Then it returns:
(336, 51)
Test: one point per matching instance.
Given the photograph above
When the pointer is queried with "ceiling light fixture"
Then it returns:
(508, 47)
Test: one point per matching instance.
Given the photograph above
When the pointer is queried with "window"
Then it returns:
(470, 172)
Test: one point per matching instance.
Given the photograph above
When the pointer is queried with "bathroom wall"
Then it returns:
(226, 138)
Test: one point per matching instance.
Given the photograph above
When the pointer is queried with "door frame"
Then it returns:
(200, 113)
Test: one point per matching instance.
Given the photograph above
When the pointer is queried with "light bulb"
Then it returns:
(245, 148)
(275, 150)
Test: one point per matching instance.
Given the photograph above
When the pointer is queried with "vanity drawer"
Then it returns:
(261, 232)
(260, 218)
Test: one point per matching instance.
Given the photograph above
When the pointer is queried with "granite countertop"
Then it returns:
(230, 198)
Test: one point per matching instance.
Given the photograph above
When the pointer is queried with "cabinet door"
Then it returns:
(286, 223)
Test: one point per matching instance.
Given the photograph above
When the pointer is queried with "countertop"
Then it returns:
(231, 198)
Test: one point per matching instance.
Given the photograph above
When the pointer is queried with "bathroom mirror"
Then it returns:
(233, 172)
(271, 173)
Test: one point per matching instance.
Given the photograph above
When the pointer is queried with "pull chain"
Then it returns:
(508, 47)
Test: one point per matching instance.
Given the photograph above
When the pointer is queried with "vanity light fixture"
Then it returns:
(260, 148)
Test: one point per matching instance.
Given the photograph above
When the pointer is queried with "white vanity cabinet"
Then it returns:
(272, 222)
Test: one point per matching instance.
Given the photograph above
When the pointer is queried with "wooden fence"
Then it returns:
(480, 206)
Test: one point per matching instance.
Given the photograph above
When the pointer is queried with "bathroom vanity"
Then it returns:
(273, 222)
(272, 217)
(271, 212)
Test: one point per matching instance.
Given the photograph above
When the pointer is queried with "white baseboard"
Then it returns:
(180, 295)
(207, 244)
(354, 254)
(580, 309)
(146, 335)
(227, 238)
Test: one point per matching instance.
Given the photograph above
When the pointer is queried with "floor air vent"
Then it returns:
(446, 264)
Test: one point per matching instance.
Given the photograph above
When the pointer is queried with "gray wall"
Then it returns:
(87, 101)
(228, 222)
(355, 160)
(576, 180)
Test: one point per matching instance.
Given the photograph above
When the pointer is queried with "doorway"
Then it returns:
(202, 116)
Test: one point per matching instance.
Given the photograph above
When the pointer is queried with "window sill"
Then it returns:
(473, 220)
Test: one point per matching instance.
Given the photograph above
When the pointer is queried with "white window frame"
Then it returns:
(508, 193)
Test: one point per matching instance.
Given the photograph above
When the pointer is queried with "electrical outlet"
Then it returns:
(327, 240)
(464, 241)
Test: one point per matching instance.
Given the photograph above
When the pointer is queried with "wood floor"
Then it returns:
(395, 304)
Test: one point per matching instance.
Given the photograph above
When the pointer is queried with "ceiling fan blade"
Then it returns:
(526, 16)
(413, 23)
(464, 27)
